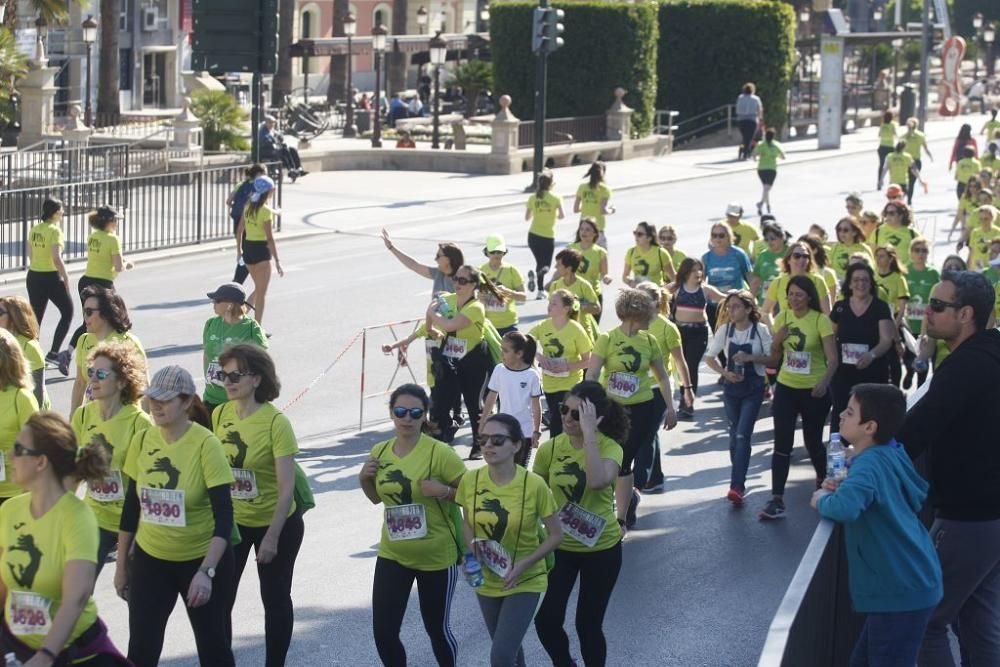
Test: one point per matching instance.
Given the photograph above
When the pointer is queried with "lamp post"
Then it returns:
(378, 46)
(897, 44)
(350, 27)
(89, 27)
(989, 35)
(977, 25)
(484, 17)
(42, 26)
(876, 18)
(422, 14)
(439, 53)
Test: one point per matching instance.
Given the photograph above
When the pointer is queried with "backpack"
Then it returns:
(240, 199)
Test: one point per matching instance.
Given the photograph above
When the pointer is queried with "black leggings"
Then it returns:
(154, 585)
(788, 404)
(748, 128)
(638, 444)
(552, 402)
(912, 181)
(391, 592)
(694, 342)
(543, 249)
(241, 272)
(107, 541)
(85, 282)
(275, 584)
(45, 286)
(883, 153)
(598, 573)
(467, 378)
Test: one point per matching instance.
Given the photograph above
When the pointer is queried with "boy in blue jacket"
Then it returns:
(893, 569)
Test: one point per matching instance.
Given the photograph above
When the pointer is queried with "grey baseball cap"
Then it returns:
(170, 382)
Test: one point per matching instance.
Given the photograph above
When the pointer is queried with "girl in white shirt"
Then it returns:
(515, 381)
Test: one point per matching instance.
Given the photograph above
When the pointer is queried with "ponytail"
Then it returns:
(524, 344)
(92, 464)
(198, 412)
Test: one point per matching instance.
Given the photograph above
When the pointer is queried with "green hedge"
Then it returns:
(608, 44)
(710, 48)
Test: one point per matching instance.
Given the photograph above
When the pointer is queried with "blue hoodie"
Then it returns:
(892, 564)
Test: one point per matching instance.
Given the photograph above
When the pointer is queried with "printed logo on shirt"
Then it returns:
(796, 338)
(396, 476)
(630, 358)
(641, 267)
(163, 465)
(584, 265)
(234, 439)
(554, 348)
(24, 572)
(573, 491)
(498, 528)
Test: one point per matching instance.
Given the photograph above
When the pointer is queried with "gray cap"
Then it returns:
(170, 382)
(230, 293)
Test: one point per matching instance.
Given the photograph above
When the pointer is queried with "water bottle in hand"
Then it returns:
(836, 459)
(473, 571)
(10, 660)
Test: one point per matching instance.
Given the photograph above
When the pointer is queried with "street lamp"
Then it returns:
(422, 14)
(989, 35)
(350, 27)
(378, 47)
(977, 25)
(439, 53)
(89, 37)
(42, 27)
(897, 44)
(484, 16)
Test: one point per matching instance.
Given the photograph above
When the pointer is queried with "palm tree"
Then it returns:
(281, 85)
(107, 74)
(473, 77)
(223, 120)
(13, 65)
(53, 11)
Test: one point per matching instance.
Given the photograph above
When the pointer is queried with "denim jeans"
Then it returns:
(890, 639)
(742, 415)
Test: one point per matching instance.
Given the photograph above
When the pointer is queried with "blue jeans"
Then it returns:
(891, 639)
(742, 415)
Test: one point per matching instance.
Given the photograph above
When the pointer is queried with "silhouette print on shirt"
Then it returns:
(239, 458)
(24, 575)
(396, 476)
(166, 467)
(496, 531)
(573, 492)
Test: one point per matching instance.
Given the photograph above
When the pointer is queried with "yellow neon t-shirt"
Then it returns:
(88, 342)
(16, 405)
(569, 343)
(915, 141)
(898, 237)
(744, 236)
(543, 214)
(101, 248)
(887, 134)
(627, 360)
(899, 167)
(840, 256)
(42, 238)
(256, 222)
(669, 337)
(502, 314)
(590, 202)
(654, 264)
(36, 361)
(895, 288)
(979, 247)
(777, 291)
(804, 361)
(590, 264)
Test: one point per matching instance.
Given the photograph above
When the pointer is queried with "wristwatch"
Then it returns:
(208, 571)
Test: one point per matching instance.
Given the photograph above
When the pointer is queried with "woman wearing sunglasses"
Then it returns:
(17, 317)
(726, 266)
(117, 375)
(415, 477)
(580, 466)
(921, 278)
(821, 259)
(17, 403)
(178, 516)
(767, 264)
(850, 240)
(895, 229)
(50, 616)
(446, 262)
(623, 360)
(646, 260)
(261, 448)
(593, 260)
(667, 238)
(107, 319)
(503, 505)
(797, 262)
(508, 281)
(229, 327)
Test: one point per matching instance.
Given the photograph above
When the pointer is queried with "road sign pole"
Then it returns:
(255, 116)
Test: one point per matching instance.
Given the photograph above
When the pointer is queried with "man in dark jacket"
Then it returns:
(952, 425)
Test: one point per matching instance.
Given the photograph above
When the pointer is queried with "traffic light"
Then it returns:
(538, 29)
(546, 28)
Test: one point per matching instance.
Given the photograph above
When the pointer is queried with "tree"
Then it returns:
(223, 120)
(107, 74)
(13, 64)
(473, 77)
(337, 81)
(53, 11)
(281, 85)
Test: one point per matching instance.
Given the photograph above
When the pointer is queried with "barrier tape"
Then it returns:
(323, 373)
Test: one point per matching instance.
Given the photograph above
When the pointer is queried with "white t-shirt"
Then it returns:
(515, 390)
(761, 342)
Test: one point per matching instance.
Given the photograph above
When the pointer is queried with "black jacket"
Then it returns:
(956, 424)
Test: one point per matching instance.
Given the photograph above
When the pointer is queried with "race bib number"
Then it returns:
(495, 557)
(561, 361)
(164, 507)
(799, 363)
(406, 522)
(623, 385)
(493, 305)
(213, 368)
(852, 352)
(454, 348)
(915, 311)
(583, 526)
(109, 489)
(29, 613)
(245, 486)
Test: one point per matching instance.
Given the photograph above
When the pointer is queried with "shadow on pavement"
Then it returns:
(166, 305)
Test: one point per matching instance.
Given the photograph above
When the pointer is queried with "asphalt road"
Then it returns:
(700, 581)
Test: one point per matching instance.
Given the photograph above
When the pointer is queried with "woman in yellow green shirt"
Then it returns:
(592, 199)
(593, 259)
(258, 248)
(797, 262)
(503, 505)
(850, 240)
(47, 280)
(980, 236)
(261, 448)
(667, 238)
(916, 146)
(17, 317)
(646, 260)
(16, 404)
(886, 142)
(542, 210)
(581, 467)
(508, 281)
(48, 539)
(568, 262)
(766, 154)
(890, 277)
(415, 478)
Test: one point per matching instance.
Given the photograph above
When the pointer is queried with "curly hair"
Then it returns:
(905, 217)
(128, 365)
(14, 370)
(255, 361)
(634, 304)
(815, 244)
(110, 305)
(615, 422)
(659, 296)
(746, 298)
(20, 317)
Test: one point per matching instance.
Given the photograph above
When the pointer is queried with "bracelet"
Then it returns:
(46, 652)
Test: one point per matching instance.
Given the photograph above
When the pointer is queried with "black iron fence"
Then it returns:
(60, 162)
(161, 211)
(564, 130)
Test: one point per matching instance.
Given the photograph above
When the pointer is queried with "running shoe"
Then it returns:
(685, 414)
(540, 296)
(52, 358)
(64, 359)
(475, 454)
(735, 496)
(633, 505)
(760, 204)
(653, 488)
(531, 281)
(774, 509)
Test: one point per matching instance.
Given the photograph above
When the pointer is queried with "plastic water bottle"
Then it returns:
(10, 660)
(836, 459)
(921, 365)
(473, 570)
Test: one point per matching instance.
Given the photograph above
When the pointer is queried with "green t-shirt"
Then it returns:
(251, 446)
(107, 498)
(564, 469)
(587, 295)
(504, 520)
(423, 534)
(668, 336)
(590, 264)
(654, 265)
(804, 359)
(887, 134)
(767, 266)
(767, 155)
(569, 343)
(502, 314)
(172, 481)
(899, 167)
(627, 359)
(16, 405)
(915, 141)
(590, 202)
(101, 248)
(42, 238)
(35, 554)
(543, 214)
(920, 283)
(840, 256)
(966, 168)
(214, 337)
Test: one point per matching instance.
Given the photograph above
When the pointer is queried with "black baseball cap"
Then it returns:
(229, 293)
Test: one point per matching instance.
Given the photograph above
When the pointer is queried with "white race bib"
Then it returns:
(915, 311)
(213, 368)
(583, 526)
(245, 486)
(799, 363)
(3, 468)
(454, 348)
(493, 305)
(495, 557)
(623, 385)
(406, 522)
(109, 489)
(29, 613)
(557, 374)
(164, 507)
(852, 352)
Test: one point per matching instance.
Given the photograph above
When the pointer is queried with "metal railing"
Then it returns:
(55, 161)
(704, 123)
(564, 130)
(161, 211)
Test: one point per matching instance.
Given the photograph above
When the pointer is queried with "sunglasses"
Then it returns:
(638, 233)
(21, 450)
(939, 306)
(844, 230)
(87, 312)
(565, 410)
(98, 373)
(494, 440)
(462, 280)
(232, 377)
(668, 239)
(497, 252)
(719, 236)
(400, 412)
(891, 212)
(799, 255)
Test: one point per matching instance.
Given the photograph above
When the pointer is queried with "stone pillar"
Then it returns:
(187, 129)
(619, 118)
(37, 94)
(505, 124)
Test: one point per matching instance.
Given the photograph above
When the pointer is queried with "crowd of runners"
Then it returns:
(175, 487)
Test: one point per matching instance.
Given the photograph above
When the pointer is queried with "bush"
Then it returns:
(710, 48)
(608, 44)
(223, 121)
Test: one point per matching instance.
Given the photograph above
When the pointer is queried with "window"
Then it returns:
(125, 69)
(306, 25)
(383, 15)
(123, 16)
